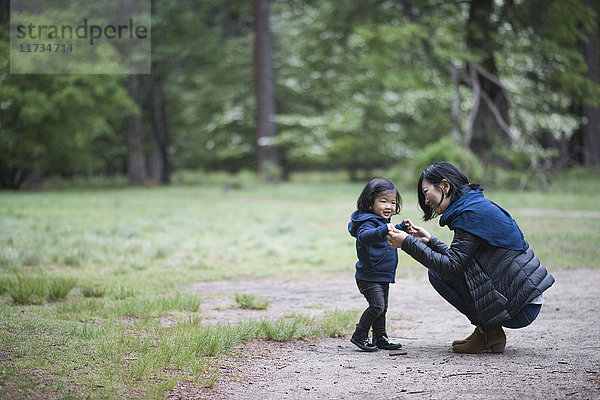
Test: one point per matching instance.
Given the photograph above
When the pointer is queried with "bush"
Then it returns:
(200, 177)
(578, 180)
(447, 149)
(319, 177)
(85, 182)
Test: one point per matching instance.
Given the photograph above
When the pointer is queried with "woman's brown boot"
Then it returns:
(465, 340)
(493, 340)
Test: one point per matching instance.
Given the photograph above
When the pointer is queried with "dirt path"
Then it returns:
(557, 357)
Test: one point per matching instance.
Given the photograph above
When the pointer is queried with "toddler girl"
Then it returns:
(377, 261)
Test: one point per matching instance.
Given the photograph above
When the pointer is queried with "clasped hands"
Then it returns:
(395, 237)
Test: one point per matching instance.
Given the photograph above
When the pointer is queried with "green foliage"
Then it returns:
(446, 149)
(360, 109)
(251, 301)
(583, 181)
(362, 85)
(236, 180)
(85, 182)
(212, 107)
(56, 123)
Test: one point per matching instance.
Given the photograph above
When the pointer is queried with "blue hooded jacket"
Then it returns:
(377, 261)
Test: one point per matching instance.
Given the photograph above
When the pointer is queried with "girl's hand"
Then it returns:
(409, 225)
(417, 232)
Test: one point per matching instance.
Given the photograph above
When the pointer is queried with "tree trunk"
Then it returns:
(4, 11)
(136, 163)
(268, 157)
(591, 129)
(155, 109)
(160, 132)
(480, 39)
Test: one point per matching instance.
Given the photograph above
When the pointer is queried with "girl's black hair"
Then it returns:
(375, 186)
(459, 184)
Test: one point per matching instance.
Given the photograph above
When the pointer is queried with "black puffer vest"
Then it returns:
(498, 281)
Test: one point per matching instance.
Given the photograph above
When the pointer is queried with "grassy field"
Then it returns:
(87, 276)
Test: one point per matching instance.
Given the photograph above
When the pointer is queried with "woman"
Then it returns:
(488, 273)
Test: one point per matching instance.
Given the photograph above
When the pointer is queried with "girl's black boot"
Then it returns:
(361, 339)
(384, 343)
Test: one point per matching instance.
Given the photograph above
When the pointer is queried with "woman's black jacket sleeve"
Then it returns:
(440, 258)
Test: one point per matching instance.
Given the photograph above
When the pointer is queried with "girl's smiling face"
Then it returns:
(385, 204)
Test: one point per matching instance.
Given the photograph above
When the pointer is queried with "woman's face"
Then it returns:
(436, 197)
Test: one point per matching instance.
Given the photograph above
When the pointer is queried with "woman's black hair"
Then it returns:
(375, 186)
(459, 184)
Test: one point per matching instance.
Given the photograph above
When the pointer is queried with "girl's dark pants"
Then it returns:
(377, 294)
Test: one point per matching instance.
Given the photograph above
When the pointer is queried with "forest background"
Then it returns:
(509, 89)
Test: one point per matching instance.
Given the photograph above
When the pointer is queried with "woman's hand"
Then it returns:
(395, 238)
(417, 232)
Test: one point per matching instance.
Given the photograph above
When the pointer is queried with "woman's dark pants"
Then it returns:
(449, 289)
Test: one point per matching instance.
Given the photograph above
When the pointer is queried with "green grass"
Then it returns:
(24, 289)
(251, 301)
(36, 289)
(93, 291)
(89, 277)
